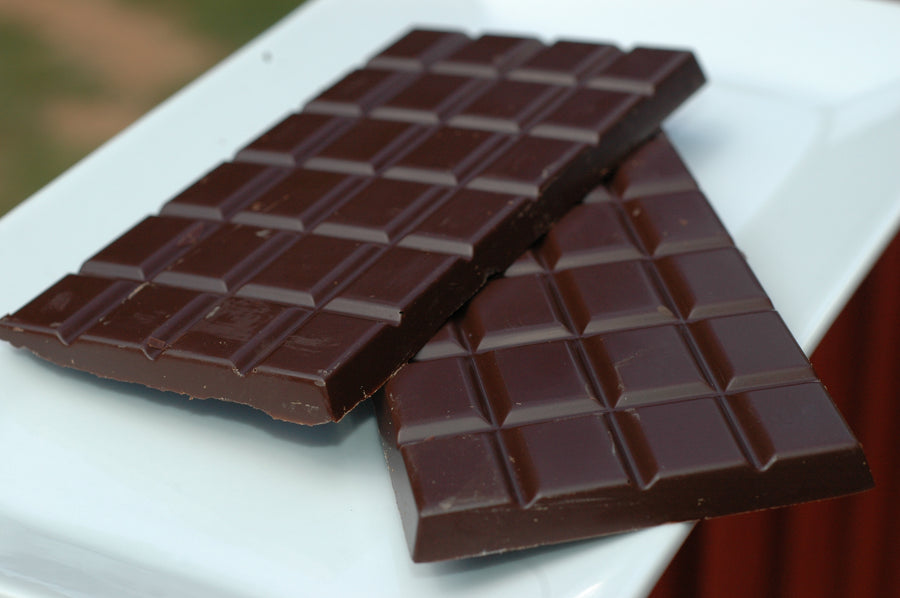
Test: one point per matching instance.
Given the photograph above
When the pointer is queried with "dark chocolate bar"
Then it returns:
(628, 371)
(300, 276)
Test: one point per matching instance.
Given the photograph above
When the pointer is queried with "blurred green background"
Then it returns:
(75, 72)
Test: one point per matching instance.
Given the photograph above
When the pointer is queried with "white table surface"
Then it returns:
(112, 490)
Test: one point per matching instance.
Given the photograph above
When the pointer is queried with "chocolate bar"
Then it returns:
(628, 371)
(298, 277)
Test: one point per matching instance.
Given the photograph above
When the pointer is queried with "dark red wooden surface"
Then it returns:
(848, 546)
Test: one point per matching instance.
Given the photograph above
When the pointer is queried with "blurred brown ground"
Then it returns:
(75, 72)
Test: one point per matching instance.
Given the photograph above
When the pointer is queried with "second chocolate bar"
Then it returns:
(628, 371)
(300, 276)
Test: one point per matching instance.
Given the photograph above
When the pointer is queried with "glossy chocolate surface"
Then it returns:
(298, 277)
(627, 371)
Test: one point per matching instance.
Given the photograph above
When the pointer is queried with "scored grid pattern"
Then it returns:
(630, 356)
(362, 207)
